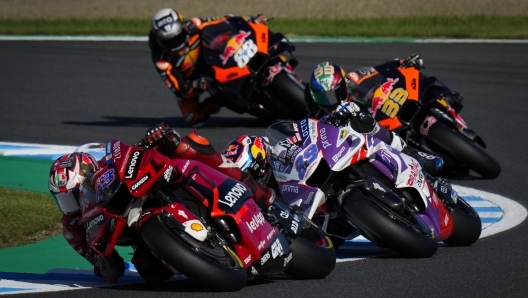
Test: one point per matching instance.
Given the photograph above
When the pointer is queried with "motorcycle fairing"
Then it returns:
(103, 231)
(224, 41)
(406, 172)
(189, 222)
(337, 146)
(229, 197)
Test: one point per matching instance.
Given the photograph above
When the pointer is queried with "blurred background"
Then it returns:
(34, 9)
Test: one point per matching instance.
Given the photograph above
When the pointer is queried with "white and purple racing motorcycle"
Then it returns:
(352, 185)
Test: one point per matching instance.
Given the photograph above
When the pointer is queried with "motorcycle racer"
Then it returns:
(70, 184)
(327, 98)
(175, 46)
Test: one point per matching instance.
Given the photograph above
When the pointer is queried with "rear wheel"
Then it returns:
(387, 228)
(289, 96)
(314, 256)
(467, 225)
(448, 142)
(208, 263)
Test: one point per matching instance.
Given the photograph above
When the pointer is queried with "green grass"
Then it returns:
(27, 217)
(433, 26)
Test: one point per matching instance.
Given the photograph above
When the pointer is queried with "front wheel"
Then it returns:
(386, 228)
(467, 225)
(451, 143)
(208, 263)
(314, 256)
(289, 94)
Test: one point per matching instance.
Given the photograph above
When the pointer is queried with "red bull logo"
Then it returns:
(381, 94)
(258, 144)
(233, 45)
(386, 88)
(231, 150)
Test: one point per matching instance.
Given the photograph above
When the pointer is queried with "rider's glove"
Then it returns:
(346, 110)
(142, 144)
(164, 138)
(258, 18)
(412, 61)
(200, 84)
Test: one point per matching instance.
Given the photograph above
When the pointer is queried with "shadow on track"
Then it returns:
(187, 286)
(176, 122)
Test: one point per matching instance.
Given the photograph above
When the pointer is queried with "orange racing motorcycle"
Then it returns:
(251, 69)
(424, 112)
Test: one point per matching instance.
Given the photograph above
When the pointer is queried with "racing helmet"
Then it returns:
(67, 174)
(328, 86)
(252, 154)
(168, 27)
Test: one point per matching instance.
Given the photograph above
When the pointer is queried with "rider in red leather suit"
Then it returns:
(71, 179)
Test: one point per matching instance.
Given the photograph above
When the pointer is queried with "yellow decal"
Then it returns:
(327, 70)
(391, 106)
(196, 227)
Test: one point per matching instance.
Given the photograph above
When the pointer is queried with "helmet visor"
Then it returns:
(174, 44)
(329, 100)
(66, 201)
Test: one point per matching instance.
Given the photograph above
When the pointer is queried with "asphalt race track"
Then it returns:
(71, 93)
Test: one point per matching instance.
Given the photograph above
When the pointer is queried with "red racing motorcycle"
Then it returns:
(199, 221)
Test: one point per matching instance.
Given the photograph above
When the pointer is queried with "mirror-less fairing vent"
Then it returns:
(258, 62)
(120, 200)
(408, 111)
(321, 173)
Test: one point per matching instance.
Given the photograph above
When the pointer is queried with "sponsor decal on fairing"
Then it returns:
(288, 259)
(265, 258)
(276, 249)
(324, 139)
(140, 182)
(196, 229)
(247, 260)
(116, 152)
(133, 165)
(94, 221)
(295, 226)
(233, 195)
(256, 221)
(168, 173)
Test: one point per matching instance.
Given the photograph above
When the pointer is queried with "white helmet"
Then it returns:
(167, 25)
(66, 176)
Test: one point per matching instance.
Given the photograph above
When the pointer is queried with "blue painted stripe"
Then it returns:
(60, 277)
(488, 209)
(130, 266)
(473, 199)
(43, 156)
(5, 289)
(353, 243)
(10, 147)
(490, 219)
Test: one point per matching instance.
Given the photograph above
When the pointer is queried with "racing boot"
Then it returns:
(196, 114)
(111, 268)
(429, 163)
